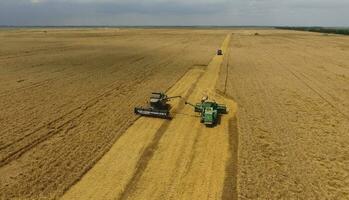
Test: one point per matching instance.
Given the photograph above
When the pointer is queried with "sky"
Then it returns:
(174, 12)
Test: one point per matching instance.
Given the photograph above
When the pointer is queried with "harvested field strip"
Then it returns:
(175, 143)
(114, 167)
(148, 153)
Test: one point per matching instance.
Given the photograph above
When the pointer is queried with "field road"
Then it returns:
(177, 159)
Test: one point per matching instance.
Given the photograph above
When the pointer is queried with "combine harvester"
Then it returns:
(158, 106)
(210, 111)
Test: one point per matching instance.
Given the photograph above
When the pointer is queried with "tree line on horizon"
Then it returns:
(342, 31)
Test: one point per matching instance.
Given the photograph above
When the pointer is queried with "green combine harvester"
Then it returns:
(210, 111)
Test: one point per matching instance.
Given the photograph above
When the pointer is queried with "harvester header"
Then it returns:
(158, 106)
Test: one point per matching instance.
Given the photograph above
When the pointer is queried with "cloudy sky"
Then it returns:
(174, 12)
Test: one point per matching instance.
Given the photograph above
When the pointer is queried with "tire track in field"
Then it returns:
(55, 129)
(43, 82)
(152, 147)
(321, 93)
(36, 51)
(230, 182)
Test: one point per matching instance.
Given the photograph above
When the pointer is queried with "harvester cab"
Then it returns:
(158, 106)
(210, 111)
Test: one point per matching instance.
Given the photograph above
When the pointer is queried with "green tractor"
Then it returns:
(209, 111)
